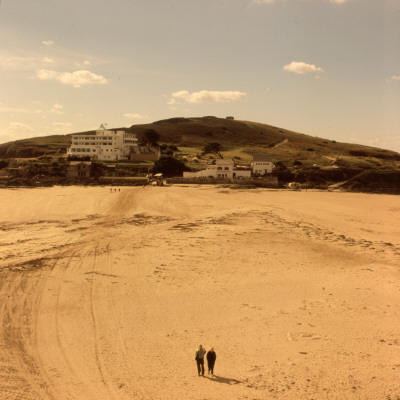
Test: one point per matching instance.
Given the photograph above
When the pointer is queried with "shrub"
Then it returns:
(169, 166)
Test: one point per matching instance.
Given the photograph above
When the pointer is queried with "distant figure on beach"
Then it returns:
(110, 190)
(200, 353)
(211, 357)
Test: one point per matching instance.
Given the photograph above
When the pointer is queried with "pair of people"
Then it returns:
(199, 357)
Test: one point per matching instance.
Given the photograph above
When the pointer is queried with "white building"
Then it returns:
(221, 168)
(262, 165)
(103, 145)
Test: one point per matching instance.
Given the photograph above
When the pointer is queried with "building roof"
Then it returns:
(224, 161)
(145, 150)
(262, 158)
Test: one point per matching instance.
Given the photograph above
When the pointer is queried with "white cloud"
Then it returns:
(57, 109)
(207, 95)
(47, 42)
(338, 1)
(47, 60)
(395, 78)
(17, 63)
(86, 62)
(62, 126)
(299, 67)
(75, 79)
(135, 116)
(172, 104)
(19, 127)
(14, 110)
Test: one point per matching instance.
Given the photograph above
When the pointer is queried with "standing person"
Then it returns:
(211, 357)
(200, 353)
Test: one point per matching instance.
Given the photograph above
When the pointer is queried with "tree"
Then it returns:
(213, 148)
(3, 164)
(151, 136)
(282, 172)
(96, 169)
(169, 166)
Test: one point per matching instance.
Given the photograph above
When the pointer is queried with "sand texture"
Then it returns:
(106, 295)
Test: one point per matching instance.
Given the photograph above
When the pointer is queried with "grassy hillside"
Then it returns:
(36, 147)
(240, 139)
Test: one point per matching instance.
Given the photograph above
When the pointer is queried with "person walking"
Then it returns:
(211, 357)
(199, 357)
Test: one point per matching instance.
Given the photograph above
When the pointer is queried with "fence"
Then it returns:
(266, 182)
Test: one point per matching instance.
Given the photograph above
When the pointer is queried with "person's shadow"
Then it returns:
(221, 379)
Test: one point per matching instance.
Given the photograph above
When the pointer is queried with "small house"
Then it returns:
(145, 153)
(79, 169)
(262, 165)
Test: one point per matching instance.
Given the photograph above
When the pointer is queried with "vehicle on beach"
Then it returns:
(156, 180)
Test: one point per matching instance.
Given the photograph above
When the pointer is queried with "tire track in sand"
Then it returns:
(18, 320)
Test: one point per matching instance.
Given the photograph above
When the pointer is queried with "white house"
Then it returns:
(262, 165)
(103, 145)
(221, 168)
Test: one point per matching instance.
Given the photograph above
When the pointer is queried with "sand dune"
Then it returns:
(106, 295)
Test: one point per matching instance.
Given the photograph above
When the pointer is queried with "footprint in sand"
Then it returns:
(298, 336)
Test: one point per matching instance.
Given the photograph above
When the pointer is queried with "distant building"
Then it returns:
(219, 169)
(104, 145)
(79, 169)
(262, 165)
(230, 117)
(244, 173)
(145, 153)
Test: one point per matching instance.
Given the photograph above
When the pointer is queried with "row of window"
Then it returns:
(92, 144)
(80, 150)
(86, 150)
(92, 138)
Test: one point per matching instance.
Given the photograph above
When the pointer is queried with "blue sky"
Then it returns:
(328, 68)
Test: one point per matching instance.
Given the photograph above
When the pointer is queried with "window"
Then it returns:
(219, 168)
(226, 168)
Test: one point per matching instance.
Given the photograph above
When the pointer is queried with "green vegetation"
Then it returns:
(169, 166)
(151, 137)
(307, 160)
(213, 148)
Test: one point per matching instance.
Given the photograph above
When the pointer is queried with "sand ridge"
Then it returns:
(106, 295)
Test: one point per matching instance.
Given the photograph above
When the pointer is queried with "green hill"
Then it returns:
(309, 160)
(247, 137)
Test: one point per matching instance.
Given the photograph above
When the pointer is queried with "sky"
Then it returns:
(326, 68)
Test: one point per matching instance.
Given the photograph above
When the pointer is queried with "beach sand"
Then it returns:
(107, 295)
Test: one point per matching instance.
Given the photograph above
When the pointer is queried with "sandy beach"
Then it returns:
(106, 295)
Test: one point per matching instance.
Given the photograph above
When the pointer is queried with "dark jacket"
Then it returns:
(211, 357)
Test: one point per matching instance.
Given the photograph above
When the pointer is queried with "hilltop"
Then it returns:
(245, 136)
(300, 153)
